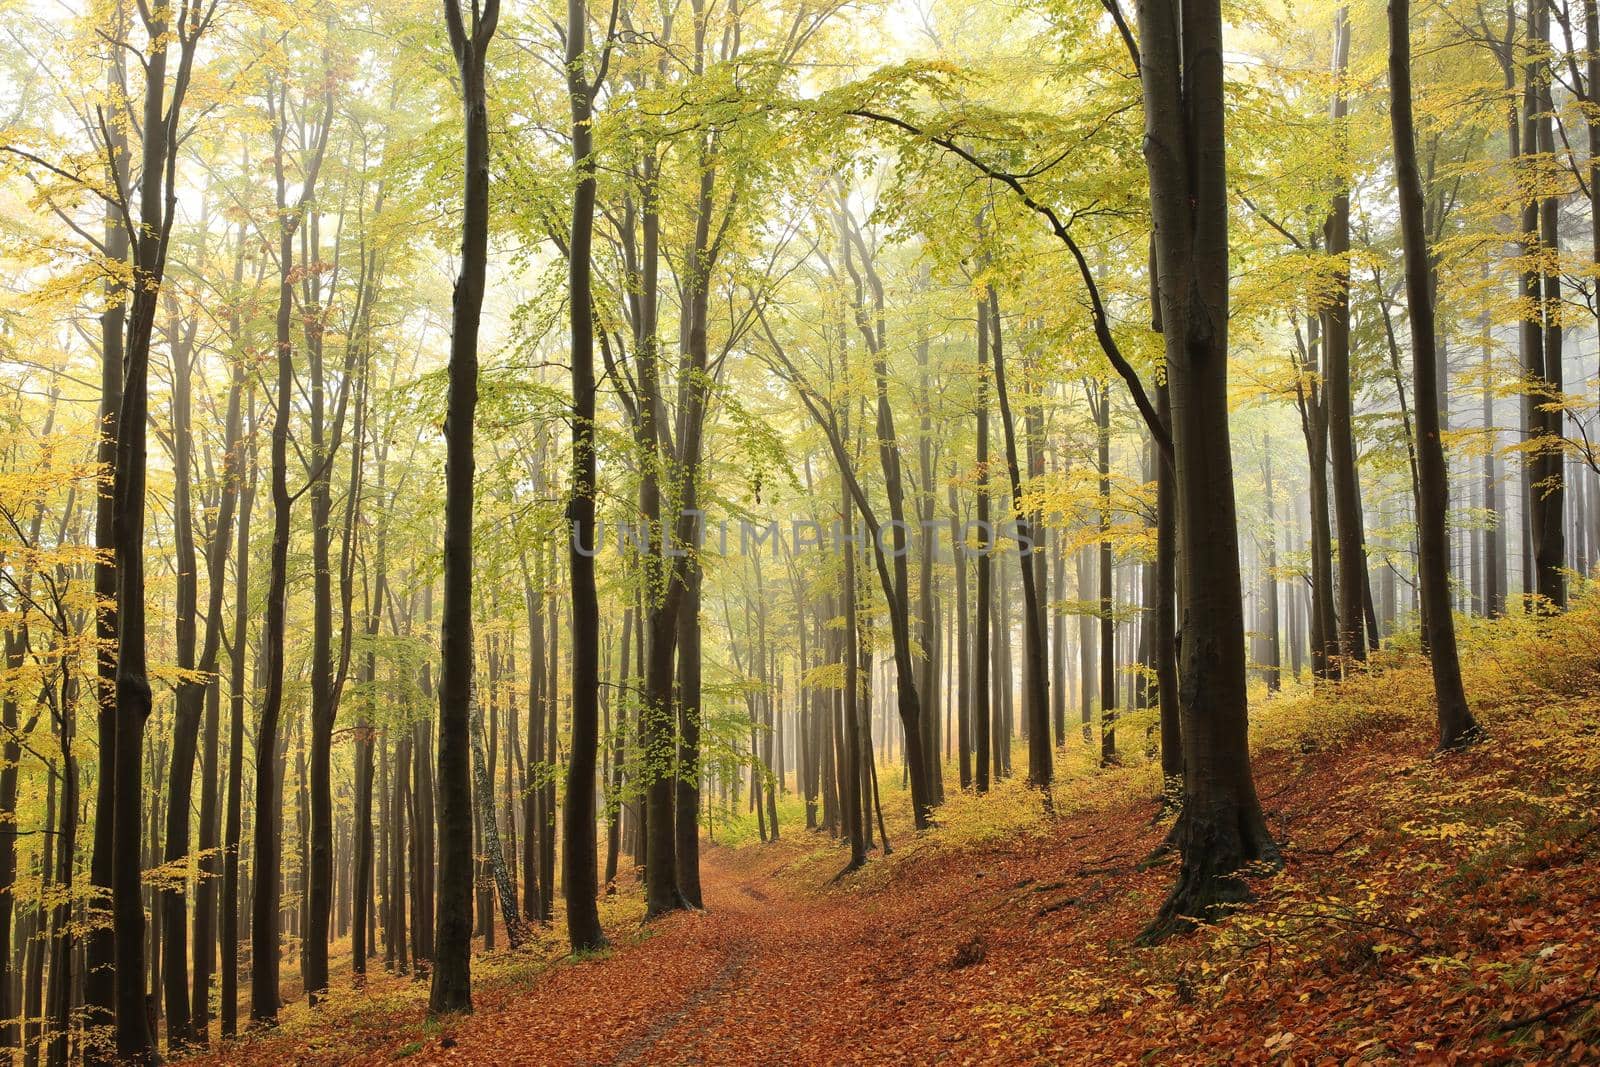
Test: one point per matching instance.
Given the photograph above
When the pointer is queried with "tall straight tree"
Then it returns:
(150, 234)
(236, 700)
(1547, 453)
(99, 989)
(264, 959)
(193, 692)
(580, 854)
(985, 551)
(1029, 540)
(1339, 398)
(452, 974)
(1221, 828)
(1099, 395)
(1457, 727)
(211, 856)
(327, 671)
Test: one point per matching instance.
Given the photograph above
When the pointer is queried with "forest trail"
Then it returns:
(745, 979)
(1433, 908)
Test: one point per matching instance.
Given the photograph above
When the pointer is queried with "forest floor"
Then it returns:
(1431, 909)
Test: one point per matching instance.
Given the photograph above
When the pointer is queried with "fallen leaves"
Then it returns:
(1461, 930)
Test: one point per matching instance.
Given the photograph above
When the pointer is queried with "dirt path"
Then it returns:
(1008, 938)
(747, 980)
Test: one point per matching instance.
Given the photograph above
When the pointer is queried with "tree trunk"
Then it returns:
(1338, 390)
(1101, 405)
(239, 645)
(1221, 829)
(982, 660)
(532, 908)
(451, 990)
(927, 629)
(1028, 535)
(192, 695)
(1269, 579)
(579, 855)
(100, 950)
(264, 948)
(958, 543)
(849, 774)
(157, 203)
(11, 753)
(1494, 550)
(619, 757)
(1548, 457)
(483, 788)
(1456, 723)
(366, 726)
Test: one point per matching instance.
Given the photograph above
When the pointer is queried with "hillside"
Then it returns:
(1432, 908)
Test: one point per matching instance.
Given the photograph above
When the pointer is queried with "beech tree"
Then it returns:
(452, 989)
(830, 405)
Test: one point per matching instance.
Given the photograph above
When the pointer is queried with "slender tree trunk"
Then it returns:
(1494, 551)
(236, 715)
(897, 590)
(483, 788)
(58, 1006)
(264, 931)
(1107, 611)
(851, 797)
(100, 950)
(366, 726)
(1269, 579)
(11, 753)
(619, 757)
(451, 990)
(1456, 723)
(531, 895)
(1548, 458)
(1324, 623)
(395, 892)
(985, 550)
(1338, 390)
(579, 856)
(958, 543)
(927, 622)
(194, 695)
(1029, 535)
(157, 203)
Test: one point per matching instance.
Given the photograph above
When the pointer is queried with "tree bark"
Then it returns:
(100, 949)
(239, 646)
(981, 657)
(1036, 673)
(157, 204)
(1457, 726)
(1338, 390)
(1221, 829)
(451, 989)
(1548, 458)
(579, 856)
(963, 686)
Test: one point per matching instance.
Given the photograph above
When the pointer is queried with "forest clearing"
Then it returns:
(762, 531)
